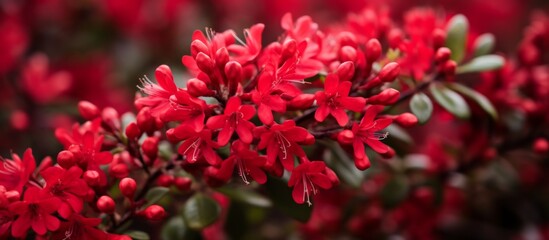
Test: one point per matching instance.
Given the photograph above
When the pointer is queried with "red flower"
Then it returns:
(335, 99)
(196, 144)
(42, 85)
(282, 142)
(187, 109)
(35, 211)
(306, 177)
(235, 117)
(366, 132)
(417, 59)
(14, 174)
(79, 227)
(158, 95)
(67, 186)
(249, 52)
(267, 99)
(249, 164)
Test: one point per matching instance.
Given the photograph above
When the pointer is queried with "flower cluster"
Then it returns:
(289, 111)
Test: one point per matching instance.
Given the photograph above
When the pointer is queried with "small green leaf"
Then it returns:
(450, 100)
(155, 194)
(484, 44)
(456, 36)
(138, 235)
(422, 107)
(200, 211)
(246, 196)
(480, 99)
(281, 195)
(482, 64)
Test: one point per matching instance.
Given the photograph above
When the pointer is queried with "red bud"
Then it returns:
(346, 71)
(154, 213)
(406, 120)
(183, 183)
(204, 63)
(88, 110)
(450, 67)
(132, 131)
(373, 50)
(150, 147)
(439, 38)
(198, 46)
(105, 204)
(347, 39)
(119, 170)
(198, 88)
(389, 72)
(347, 53)
(395, 37)
(110, 117)
(443, 54)
(164, 180)
(221, 57)
(66, 159)
(386, 97)
(145, 121)
(127, 187)
(91, 177)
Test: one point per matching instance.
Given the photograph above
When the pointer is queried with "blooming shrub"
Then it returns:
(367, 127)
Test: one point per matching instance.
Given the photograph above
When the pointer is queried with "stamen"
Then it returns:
(379, 136)
(242, 171)
(196, 150)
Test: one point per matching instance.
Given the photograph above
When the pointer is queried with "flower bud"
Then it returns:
(346, 71)
(171, 136)
(110, 117)
(150, 147)
(127, 187)
(198, 88)
(204, 63)
(309, 139)
(345, 137)
(301, 101)
(145, 121)
(541, 146)
(362, 163)
(154, 212)
(347, 53)
(91, 177)
(347, 39)
(119, 170)
(66, 159)
(450, 67)
(439, 38)
(105, 204)
(443, 54)
(386, 97)
(373, 50)
(198, 46)
(133, 131)
(90, 195)
(88, 110)
(406, 120)
(164, 180)
(389, 72)
(183, 183)
(233, 72)
(221, 57)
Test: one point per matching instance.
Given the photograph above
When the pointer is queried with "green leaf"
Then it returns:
(450, 100)
(200, 211)
(456, 36)
(484, 44)
(480, 99)
(394, 191)
(281, 195)
(138, 235)
(482, 64)
(422, 107)
(174, 228)
(155, 194)
(246, 196)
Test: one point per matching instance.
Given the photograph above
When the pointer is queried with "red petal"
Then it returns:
(344, 88)
(244, 132)
(297, 194)
(355, 104)
(52, 223)
(358, 148)
(331, 84)
(216, 122)
(225, 135)
(321, 180)
(21, 225)
(322, 112)
(341, 116)
(232, 105)
(265, 114)
(377, 146)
